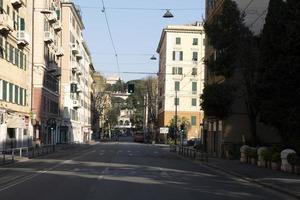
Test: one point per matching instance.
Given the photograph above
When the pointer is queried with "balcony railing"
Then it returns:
(52, 17)
(6, 23)
(48, 37)
(75, 48)
(23, 38)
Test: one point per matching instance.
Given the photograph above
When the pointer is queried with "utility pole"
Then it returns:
(175, 130)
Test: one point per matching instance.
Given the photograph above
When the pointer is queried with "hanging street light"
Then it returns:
(153, 58)
(168, 14)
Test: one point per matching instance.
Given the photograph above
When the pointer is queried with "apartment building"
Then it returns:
(76, 81)
(47, 58)
(15, 73)
(181, 76)
(234, 130)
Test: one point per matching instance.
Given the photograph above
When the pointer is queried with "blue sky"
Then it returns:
(135, 32)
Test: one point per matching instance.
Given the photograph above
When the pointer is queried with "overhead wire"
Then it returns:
(111, 38)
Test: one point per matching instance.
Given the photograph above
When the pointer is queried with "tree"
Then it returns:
(236, 58)
(279, 73)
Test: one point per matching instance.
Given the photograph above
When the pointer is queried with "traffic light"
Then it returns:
(130, 88)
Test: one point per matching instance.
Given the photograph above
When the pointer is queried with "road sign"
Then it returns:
(164, 130)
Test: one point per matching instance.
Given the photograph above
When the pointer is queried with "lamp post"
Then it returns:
(175, 130)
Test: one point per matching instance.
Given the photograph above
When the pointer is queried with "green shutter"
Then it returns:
(25, 97)
(194, 102)
(178, 40)
(21, 60)
(180, 70)
(16, 94)
(193, 120)
(4, 90)
(21, 96)
(58, 14)
(10, 93)
(181, 55)
(177, 85)
(22, 24)
(25, 61)
(173, 55)
(194, 86)
(16, 62)
(173, 70)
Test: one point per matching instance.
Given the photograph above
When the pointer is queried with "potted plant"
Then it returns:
(276, 161)
(248, 155)
(267, 156)
(292, 160)
(253, 156)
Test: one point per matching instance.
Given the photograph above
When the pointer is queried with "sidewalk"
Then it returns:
(284, 182)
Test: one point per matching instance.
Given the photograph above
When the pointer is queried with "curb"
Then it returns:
(266, 185)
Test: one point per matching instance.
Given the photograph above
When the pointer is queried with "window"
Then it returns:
(194, 102)
(195, 56)
(16, 101)
(21, 97)
(1, 46)
(22, 24)
(195, 41)
(194, 87)
(177, 70)
(178, 40)
(10, 90)
(177, 85)
(193, 121)
(4, 90)
(17, 57)
(176, 101)
(194, 71)
(177, 55)
(11, 54)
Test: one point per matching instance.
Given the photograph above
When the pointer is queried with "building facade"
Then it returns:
(220, 135)
(15, 74)
(47, 54)
(181, 76)
(76, 81)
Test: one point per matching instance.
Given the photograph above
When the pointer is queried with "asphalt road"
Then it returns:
(122, 171)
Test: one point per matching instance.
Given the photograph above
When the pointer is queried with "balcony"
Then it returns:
(52, 17)
(78, 89)
(6, 23)
(17, 3)
(76, 104)
(75, 67)
(57, 26)
(75, 48)
(59, 51)
(23, 38)
(79, 72)
(79, 56)
(48, 37)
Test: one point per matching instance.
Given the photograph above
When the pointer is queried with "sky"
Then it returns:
(135, 32)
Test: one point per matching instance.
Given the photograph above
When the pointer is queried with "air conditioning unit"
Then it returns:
(76, 104)
(23, 38)
(6, 23)
(17, 3)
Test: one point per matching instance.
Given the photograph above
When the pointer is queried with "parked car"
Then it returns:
(138, 137)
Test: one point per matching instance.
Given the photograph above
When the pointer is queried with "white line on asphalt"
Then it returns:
(40, 172)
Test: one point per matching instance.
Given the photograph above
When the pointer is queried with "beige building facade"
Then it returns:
(76, 80)
(47, 57)
(15, 73)
(181, 76)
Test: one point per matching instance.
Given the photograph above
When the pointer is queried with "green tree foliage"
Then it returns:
(224, 36)
(217, 100)
(280, 69)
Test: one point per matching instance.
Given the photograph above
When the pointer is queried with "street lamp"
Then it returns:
(153, 57)
(168, 14)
